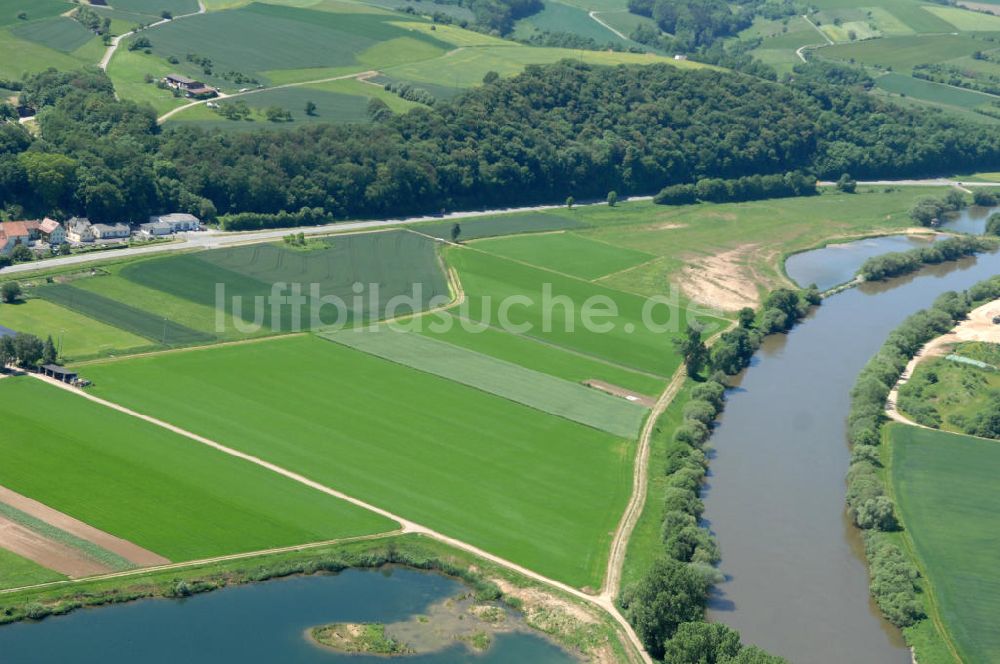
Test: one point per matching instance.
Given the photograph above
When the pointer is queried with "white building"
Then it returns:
(79, 229)
(178, 221)
(111, 231)
(156, 229)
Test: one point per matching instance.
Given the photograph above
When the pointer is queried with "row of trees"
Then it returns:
(894, 264)
(931, 211)
(26, 351)
(895, 582)
(554, 130)
(746, 188)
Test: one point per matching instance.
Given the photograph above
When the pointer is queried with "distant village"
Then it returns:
(49, 235)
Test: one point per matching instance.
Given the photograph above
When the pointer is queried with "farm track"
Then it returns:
(116, 41)
(603, 601)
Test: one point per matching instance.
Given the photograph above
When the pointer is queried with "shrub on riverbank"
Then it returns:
(898, 263)
(894, 581)
(748, 188)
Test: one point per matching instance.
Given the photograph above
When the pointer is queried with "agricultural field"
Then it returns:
(553, 307)
(508, 224)
(43, 38)
(159, 490)
(945, 490)
(172, 300)
(76, 336)
(511, 381)
(540, 356)
(531, 487)
(16, 571)
(948, 394)
(566, 253)
(901, 84)
(561, 17)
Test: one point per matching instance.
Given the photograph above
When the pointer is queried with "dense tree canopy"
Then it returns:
(558, 130)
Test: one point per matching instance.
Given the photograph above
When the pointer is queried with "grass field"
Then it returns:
(559, 17)
(508, 224)
(166, 493)
(965, 20)
(902, 53)
(16, 571)
(172, 300)
(945, 490)
(35, 9)
(133, 320)
(519, 384)
(155, 7)
(551, 307)
(902, 84)
(60, 33)
(534, 488)
(76, 336)
(534, 354)
(19, 55)
(567, 253)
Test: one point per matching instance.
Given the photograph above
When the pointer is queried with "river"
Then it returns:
(263, 622)
(796, 582)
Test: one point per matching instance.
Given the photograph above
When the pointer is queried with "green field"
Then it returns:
(534, 488)
(567, 253)
(16, 571)
(508, 224)
(295, 38)
(902, 53)
(164, 492)
(133, 320)
(936, 93)
(540, 356)
(60, 33)
(519, 384)
(155, 7)
(551, 307)
(35, 9)
(945, 486)
(76, 336)
(965, 20)
(172, 300)
(559, 17)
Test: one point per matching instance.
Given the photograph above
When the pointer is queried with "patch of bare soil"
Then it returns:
(724, 281)
(127, 550)
(617, 391)
(979, 326)
(46, 552)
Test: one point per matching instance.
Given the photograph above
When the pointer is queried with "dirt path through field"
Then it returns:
(49, 553)
(604, 600)
(127, 550)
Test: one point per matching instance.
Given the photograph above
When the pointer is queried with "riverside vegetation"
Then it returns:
(896, 584)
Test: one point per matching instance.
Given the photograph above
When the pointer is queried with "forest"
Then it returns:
(567, 129)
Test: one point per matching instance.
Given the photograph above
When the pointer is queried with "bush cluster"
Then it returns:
(748, 188)
(411, 92)
(897, 263)
(256, 220)
(893, 583)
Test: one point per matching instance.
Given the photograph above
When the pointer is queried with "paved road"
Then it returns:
(215, 239)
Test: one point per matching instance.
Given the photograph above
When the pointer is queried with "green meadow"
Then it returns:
(497, 225)
(16, 571)
(556, 308)
(536, 489)
(936, 93)
(567, 253)
(538, 355)
(517, 383)
(76, 336)
(945, 486)
(166, 493)
(902, 53)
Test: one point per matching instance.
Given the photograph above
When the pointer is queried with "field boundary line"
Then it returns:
(186, 349)
(594, 16)
(652, 260)
(406, 526)
(203, 561)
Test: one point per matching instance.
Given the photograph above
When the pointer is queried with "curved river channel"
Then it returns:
(796, 582)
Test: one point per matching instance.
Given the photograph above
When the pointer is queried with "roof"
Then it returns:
(55, 368)
(48, 225)
(110, 227)
(178, 78)
(174, 218)
(16, 228)
(204, 89)
(155, 224)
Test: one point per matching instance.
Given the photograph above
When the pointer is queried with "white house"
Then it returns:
(52, 231)
(155, 229)
(178, 221)
(111, 231)
(79, 229)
